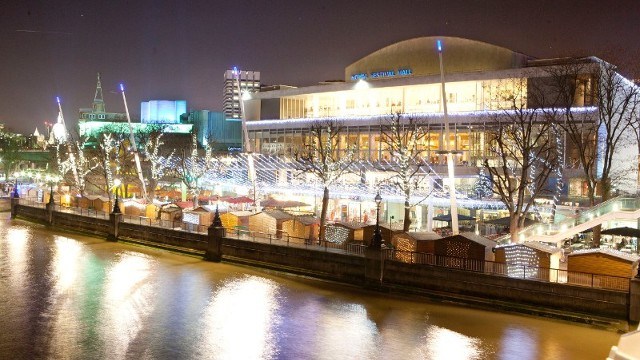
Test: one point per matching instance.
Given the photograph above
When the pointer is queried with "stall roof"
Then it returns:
(611, 252)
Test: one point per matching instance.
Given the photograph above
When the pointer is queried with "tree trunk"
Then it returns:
(407, 217)
(323, 214)
(595, 235)
(514, 227)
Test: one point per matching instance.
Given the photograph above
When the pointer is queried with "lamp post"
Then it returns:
(51, 202)
(376, 241)
(116, 205)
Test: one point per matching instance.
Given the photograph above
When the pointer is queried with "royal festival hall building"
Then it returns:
(404, 78)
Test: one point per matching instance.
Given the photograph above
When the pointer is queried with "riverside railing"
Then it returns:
(511, 270)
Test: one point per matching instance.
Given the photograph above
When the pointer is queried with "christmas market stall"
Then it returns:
(269, 222)
(611, 264)
(302, 228)
(529, 260)
(410, 246)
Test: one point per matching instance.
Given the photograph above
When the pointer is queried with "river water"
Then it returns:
(67, 296)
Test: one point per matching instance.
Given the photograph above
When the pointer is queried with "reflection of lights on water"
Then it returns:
(65, 268)
(348, 331)
(127, 299)
(65, 262)
(518, 343)
(443, 343)
(239, 321)
(17, 244)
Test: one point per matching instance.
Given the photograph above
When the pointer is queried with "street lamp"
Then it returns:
(376, 241)
(116, 205)
(16, 192)
(50, 179)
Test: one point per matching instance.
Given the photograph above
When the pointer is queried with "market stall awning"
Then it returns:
(237, 200)
(282, 204)
(447, 218)
(506, 221)
(622, 231)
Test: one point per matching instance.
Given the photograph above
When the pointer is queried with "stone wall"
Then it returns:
(323, 264)
(597, 302)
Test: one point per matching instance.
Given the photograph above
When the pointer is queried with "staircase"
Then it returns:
(556, 233)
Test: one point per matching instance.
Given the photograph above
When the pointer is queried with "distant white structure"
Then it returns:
(59, 130)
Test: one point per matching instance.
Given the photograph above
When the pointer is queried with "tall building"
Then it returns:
(249, 82)
(215, 129)
(162, 111)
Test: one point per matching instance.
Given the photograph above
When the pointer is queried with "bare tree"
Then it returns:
(190, 167)
(321, 156)
(402, 138)
(523, 155)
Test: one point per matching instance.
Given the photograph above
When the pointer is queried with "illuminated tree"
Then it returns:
(189, 167)
(154, 165)
(483, 188)
(402, 138)
(322, 157)
(521, 153)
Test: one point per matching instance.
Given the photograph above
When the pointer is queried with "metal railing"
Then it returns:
(512, 270)
(282, 238)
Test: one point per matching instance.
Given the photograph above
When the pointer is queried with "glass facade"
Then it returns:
(424, 98)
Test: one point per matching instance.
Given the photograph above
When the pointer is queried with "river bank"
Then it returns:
(76, 296)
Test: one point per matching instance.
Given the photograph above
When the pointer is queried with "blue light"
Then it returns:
(235, 70)
(122, 87)
(58, 99)
(439, 45)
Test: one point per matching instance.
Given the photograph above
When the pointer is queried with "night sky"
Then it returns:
(180, 49)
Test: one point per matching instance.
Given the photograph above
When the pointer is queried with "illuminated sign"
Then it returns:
(385, 73)
(382, 74)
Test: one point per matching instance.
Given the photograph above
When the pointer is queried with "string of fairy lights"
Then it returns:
(284, 175)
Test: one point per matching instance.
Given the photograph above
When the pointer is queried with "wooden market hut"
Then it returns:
(301, 228)
(385, 229)
(269, 222)
(200, 215)
(602, 261)
(531, 260)
(407, 243)
(236, 220)
(133, 207)
(466, 251)
(352, 230)
(100, 203)
(84, 202)
(170, 212)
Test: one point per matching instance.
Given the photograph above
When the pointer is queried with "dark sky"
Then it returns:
(180, 49)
